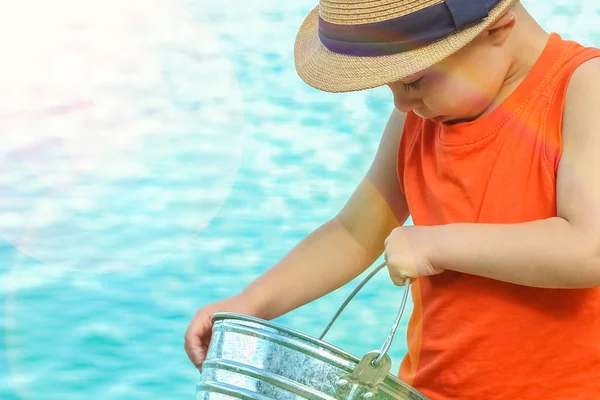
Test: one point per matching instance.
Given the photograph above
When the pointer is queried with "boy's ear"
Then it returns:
(501, 29)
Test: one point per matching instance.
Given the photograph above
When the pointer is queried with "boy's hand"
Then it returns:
(198, 336)
(199, 333)
(408, 254)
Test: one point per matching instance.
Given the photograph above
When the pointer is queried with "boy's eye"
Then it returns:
(414, 85)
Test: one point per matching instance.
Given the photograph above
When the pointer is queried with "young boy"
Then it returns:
(494, 150)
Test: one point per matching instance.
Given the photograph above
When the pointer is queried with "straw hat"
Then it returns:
(349, 45)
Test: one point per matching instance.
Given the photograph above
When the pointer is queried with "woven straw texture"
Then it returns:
(333, 72)
(364, 12)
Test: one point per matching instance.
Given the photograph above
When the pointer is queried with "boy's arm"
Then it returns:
(342, 248)
(383, 173)
(560, 252)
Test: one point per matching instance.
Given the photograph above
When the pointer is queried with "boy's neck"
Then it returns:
(528, 41)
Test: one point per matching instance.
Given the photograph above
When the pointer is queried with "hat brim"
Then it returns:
(333, 72)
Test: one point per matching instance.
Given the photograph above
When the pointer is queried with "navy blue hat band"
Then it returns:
(404, 33)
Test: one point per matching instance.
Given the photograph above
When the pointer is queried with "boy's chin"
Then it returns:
(434, 118)
(439, 119)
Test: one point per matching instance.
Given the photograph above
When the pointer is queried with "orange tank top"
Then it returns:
(473, 338)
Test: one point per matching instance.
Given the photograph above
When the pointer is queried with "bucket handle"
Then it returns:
(390, 337)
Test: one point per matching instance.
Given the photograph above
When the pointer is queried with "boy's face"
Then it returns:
(460, 88)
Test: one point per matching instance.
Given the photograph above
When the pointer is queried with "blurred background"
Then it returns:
(159, 155)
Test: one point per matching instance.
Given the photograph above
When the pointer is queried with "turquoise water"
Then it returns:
(160, 162)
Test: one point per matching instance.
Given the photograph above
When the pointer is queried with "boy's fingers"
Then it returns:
(195, 350)
(198, 355)
(196, 342)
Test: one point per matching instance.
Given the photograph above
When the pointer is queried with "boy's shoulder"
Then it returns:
(580, 129)
(582, 102)
(578, 183)
(587, 73)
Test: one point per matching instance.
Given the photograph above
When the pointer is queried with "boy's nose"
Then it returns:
(406, 104)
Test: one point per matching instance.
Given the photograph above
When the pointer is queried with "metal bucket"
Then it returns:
(253, 359)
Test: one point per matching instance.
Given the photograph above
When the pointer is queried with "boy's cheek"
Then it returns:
(459, 103)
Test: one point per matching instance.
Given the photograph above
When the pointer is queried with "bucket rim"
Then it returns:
(223, 316)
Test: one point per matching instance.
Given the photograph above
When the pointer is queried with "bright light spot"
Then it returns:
(121, 126)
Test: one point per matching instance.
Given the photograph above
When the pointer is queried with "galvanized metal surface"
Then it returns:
(250, 358)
